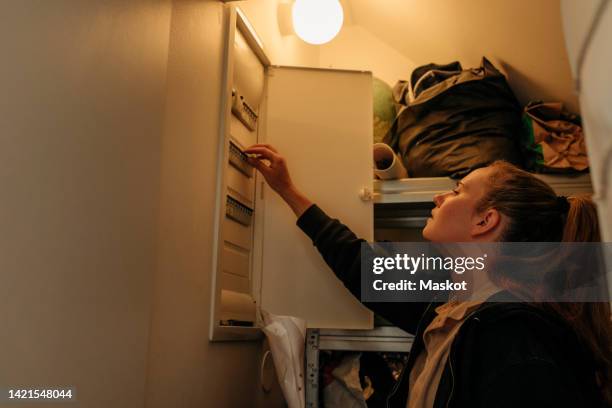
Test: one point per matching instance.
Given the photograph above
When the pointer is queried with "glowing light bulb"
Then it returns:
(317, 21)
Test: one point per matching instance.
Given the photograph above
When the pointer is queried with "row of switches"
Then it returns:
(243, 111)
(239, 212)
(239, 160)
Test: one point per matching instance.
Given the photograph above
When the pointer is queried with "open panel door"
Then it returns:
(321, 121)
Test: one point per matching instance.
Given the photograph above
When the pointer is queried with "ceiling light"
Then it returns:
(317, 21)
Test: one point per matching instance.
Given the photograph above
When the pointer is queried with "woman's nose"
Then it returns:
(439, 198)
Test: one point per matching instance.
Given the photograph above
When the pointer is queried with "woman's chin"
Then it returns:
(429, 232)
(426, 233)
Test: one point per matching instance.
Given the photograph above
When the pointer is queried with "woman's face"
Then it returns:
(454, 219)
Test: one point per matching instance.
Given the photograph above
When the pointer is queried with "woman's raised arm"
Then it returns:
(337, 244)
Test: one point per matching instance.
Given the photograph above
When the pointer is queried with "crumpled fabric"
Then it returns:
(554, 139)
(345, 391)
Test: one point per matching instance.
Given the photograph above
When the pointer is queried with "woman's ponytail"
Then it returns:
(586, 318)
(537, 214)
(581, 222)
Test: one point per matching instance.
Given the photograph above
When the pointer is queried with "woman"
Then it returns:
(477, 354)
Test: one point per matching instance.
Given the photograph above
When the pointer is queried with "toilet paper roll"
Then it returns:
(387, 165)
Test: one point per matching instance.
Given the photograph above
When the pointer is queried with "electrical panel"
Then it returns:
(234, 301)
(320, 120)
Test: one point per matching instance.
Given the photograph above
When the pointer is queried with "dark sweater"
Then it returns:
(505, 354)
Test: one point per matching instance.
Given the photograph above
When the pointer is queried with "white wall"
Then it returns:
(357, 48)
(81, 112)
(280, 49)
(184, 368)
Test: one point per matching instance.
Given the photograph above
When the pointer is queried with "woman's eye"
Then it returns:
(455, 191)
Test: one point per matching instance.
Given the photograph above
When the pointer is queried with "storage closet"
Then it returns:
(321, 121)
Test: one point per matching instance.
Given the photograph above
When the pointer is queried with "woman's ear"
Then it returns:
(489, 222)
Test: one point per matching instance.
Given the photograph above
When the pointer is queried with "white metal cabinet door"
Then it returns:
(588, 29)
(321, 121)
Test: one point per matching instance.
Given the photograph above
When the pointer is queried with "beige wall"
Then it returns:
(525, 35)
(357, 48)
(184, 368)
(106, 281)
(81, 106)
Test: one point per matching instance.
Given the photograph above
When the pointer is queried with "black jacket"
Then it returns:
(505, 354)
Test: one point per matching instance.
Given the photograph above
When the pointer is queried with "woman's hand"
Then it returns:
(277, 176)
(276, 172)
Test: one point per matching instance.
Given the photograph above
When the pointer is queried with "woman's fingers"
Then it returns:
(270, 147)
(259, 165)
(276, 172)
(264, 153)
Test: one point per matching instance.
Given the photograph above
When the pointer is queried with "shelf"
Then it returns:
(418, 190)
(378, 339)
